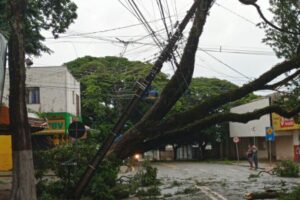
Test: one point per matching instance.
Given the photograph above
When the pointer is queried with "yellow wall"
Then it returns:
(5, 153)
(283, 124)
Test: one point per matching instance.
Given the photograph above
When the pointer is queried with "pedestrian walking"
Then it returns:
(250, 156)
(254, 156)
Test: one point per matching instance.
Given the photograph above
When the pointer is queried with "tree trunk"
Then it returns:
(133, 138)
(23, 171)
(202, 151)
(264, 195)
(174, 151)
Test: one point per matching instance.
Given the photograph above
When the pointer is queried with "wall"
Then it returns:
(254, 127)
(284, 147)
(56, 85)
(290, 131)
(73, 89)
(184, 152)
(5, 153)
(242, 146)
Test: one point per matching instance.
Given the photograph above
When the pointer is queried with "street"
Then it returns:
(215, 181)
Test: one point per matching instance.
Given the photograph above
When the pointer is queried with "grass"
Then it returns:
(176, 183)
(189, 190)
(251, 176)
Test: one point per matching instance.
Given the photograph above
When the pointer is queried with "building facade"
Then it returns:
(55, 93)
(49, 89)
(287, 133)
(288, 137)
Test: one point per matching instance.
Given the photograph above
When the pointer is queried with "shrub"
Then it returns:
(59, 161)
(149, 177)
(150, 192)
(294, 195)
(121, 191)
(287, 169)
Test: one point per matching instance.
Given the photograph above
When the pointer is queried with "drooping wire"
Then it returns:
(169, 15)
(235, 13)
(143, 20)
(225, 64)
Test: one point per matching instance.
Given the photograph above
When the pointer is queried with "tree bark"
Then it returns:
(23, 187)
(175, 147)
(173, 90)
(206, 107)
(264, 195)
(153, 131)
(192, 129)
(173, 136)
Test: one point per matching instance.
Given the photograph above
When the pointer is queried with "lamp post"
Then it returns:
(253, 130)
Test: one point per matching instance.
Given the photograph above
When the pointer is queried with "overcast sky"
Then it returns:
(230, 26)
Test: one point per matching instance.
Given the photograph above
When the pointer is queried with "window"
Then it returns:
(32, 95)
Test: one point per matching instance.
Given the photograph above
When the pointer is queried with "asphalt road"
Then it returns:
(215, 181)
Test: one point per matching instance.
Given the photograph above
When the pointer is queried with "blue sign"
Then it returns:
(270, 134)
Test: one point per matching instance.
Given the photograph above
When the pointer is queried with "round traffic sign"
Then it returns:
(269, 130)
(76, 129)
(236, 139)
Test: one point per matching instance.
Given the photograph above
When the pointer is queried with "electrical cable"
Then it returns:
(228, 66)
(235, 13)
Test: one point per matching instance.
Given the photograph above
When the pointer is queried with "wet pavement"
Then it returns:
(205, 181)
(216, 181)
(5, 185)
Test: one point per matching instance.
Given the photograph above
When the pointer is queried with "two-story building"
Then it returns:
(53, 93)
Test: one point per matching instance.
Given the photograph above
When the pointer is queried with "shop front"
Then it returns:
(35, 123)
(287, 138)
(58, 123)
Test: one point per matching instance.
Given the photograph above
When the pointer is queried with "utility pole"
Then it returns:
(142, 85)
(126, 43)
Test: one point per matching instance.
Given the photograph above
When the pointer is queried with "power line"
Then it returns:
(216, 71)
(146, 24)
(105, 30)
(208, 49)
(223, 63)
(169, 16)
(236, 14)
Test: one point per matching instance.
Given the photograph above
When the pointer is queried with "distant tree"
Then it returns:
(107, 86)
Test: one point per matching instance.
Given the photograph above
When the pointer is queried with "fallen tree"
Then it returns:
(154, 129)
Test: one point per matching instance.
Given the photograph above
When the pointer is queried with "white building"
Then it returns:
(287, 132)
(50, 89)
(254, 131)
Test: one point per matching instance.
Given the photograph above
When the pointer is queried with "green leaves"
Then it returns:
(53, 15)
(107, 86)
(286, 14)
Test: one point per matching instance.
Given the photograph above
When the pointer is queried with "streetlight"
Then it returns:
(253, 129)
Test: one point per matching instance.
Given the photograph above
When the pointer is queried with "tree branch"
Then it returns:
(175, 87)
(206, 107)
(194, 128)
(253, 3)
(183, 75)
(280, 83)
